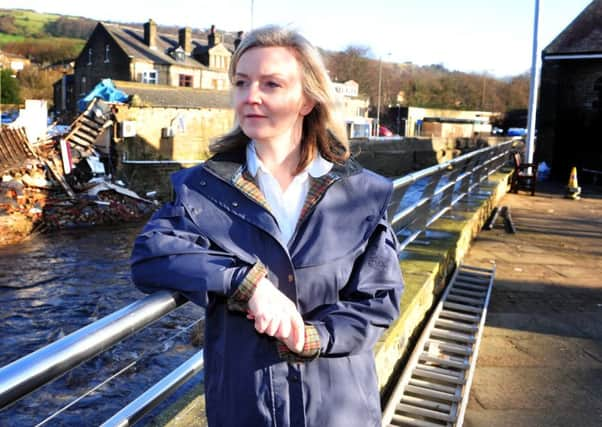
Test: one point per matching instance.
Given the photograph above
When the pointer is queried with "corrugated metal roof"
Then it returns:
(582, 36)
(177, 97)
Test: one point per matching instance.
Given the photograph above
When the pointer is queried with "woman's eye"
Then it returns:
(239, 83)
(273, 84)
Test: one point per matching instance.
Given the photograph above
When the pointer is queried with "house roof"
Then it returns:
(582, 36)
(175, 97)
(131, 39)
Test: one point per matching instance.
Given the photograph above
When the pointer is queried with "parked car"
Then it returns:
(516, 132)
(383, 131)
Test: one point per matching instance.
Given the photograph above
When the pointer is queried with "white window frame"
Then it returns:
(107, 52)
(83, 86)
(90, 51)
(150, 77)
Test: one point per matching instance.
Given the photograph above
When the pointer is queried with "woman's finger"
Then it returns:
(261, 323)
(298, 333)
(284, 331)
(273, 326)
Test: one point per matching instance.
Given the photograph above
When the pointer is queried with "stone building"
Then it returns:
(13, 62)
(162, 129)
(147, 55)
(353, 109)
(569, 125)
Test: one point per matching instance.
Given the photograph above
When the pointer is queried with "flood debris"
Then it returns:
(60, 181)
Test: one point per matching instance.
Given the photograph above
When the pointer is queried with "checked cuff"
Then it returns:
(239, 301)
(311, 348)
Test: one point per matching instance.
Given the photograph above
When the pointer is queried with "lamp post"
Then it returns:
(252, 6)
(380, 80)
(533, 91)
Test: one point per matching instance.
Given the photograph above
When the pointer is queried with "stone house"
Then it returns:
(146, 55)
(13, 62)
(353, 109)
(164, 128)
(569, 123)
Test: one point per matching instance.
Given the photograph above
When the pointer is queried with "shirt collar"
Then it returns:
(317, 168)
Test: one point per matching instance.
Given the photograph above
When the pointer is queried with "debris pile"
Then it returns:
(61, 182)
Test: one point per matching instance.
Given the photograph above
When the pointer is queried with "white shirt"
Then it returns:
(285, 205)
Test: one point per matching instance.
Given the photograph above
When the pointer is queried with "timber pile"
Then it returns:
(37, 194)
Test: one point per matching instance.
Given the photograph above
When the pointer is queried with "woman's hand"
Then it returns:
(276, 315)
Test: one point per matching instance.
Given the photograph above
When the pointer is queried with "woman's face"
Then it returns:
(268, 95)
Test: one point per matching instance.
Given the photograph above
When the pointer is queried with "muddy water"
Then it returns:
(54, 284)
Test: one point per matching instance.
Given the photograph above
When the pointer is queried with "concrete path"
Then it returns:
(540, 360)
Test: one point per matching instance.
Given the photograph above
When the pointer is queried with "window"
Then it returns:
(151, 77)
(186, 80)
(107, 51)
(89, 56)
(83, 86)
(218, 61)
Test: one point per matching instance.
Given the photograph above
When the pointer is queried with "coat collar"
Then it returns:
(229, 166)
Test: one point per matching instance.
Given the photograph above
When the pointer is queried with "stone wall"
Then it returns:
(570, 116)
(399, 156)
(392, 157)
(161, 137)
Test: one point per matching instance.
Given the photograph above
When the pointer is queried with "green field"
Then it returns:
(7, 38)
(28, 22)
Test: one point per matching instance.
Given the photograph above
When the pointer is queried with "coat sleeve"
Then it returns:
(368, 303)
(171, 253)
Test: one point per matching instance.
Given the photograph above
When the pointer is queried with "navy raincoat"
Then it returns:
(340, 267)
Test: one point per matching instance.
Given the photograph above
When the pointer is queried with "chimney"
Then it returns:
(213, 37)
(185, 39)
(150, 34)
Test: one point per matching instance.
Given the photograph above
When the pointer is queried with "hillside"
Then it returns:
(27, 23)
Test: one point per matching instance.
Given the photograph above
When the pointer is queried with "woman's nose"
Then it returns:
(253, 94)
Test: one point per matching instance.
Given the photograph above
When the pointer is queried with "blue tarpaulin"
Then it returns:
(104, 90)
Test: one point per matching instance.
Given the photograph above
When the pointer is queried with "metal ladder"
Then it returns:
(433, 389)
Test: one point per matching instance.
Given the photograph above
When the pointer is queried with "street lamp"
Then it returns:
(533, 89)
(252, 7)
(380, 80)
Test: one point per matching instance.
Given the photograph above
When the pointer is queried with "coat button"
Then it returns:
(291, 278)
(203, 183)
(235, 204)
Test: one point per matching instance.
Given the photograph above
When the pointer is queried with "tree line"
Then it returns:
(431, 86)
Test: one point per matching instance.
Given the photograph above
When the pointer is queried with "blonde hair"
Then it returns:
(321, 131)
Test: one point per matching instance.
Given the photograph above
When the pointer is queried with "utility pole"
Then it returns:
(533, 92)
(380, 81)
(483, 91)
(380, 78)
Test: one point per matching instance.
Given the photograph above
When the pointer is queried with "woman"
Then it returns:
(285, 242)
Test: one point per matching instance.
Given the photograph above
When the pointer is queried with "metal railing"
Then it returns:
(434, 191)
(418, 200)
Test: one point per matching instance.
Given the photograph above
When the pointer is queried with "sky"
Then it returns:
(493, 37)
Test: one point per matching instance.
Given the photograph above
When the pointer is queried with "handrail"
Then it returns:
(19, 378)
(445, 185)
(144, 403)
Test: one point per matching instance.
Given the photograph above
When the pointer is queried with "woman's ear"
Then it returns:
(308, 105)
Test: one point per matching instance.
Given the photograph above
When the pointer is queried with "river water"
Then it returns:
(52, 285)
